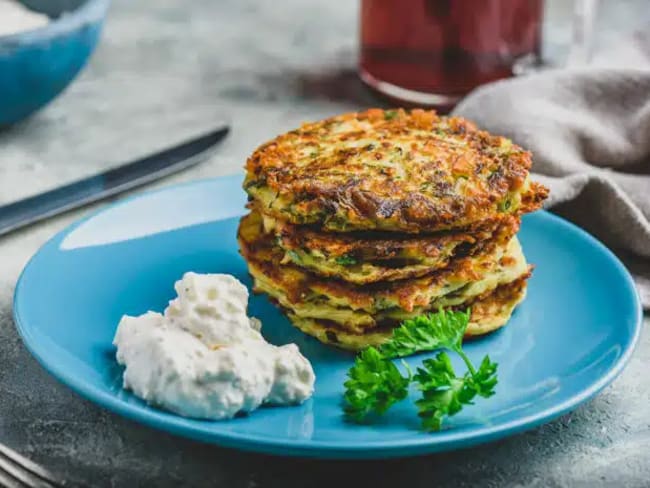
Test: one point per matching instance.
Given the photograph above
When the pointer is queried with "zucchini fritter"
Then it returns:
(361, 308)
(368, 257)
(489, 313)
(391, 170)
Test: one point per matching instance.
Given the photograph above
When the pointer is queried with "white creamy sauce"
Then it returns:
(14, 18)
(205, 358)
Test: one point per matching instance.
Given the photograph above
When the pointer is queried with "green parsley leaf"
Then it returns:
(485, 379)
(346, 260)
(427, 333)
(443, 394)
(374, 385)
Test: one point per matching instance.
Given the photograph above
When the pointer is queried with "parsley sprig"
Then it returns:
(442, 330)
(375, 383)
(445, 394)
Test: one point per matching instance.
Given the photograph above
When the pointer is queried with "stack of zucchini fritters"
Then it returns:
(363, 220)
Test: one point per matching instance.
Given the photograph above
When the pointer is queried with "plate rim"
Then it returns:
(427, 444)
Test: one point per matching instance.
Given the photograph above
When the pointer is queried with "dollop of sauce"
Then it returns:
(15, 18)
(205, 358)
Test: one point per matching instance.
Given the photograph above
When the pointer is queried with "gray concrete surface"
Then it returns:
(166, 69)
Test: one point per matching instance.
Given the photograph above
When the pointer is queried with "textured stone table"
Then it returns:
(166, 70)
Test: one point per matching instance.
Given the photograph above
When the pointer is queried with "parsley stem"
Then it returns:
(468, 363)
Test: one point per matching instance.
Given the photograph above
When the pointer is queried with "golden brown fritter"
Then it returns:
(391, 170)
(488, 313)
(371, 256)
(362, 307)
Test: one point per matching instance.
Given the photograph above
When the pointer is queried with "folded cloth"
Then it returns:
(589, 132)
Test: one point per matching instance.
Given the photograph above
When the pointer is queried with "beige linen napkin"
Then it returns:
(589, 132)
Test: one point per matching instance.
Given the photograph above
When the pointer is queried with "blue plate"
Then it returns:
(569, 339)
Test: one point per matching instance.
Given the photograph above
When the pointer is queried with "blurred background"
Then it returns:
(164, 70)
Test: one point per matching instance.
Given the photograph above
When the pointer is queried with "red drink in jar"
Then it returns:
(432, 52)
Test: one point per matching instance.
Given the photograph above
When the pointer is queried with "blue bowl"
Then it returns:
(37, 65)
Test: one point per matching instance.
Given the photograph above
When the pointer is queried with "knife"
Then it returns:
(128, 176)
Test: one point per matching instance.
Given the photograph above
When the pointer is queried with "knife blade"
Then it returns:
(36, 208)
